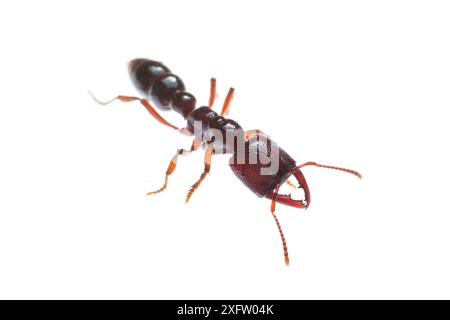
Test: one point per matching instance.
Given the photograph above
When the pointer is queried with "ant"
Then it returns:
(167, 92)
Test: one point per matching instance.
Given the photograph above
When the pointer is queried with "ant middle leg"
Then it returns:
(212, 92)
(173, 163)
(208, 155)
(227, 101)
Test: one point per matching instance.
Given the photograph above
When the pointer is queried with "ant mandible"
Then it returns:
(167, 91)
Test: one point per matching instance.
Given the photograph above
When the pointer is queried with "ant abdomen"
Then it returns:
(158, 83)
(144, 73)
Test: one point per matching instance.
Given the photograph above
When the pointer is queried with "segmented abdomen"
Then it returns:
(156, 82)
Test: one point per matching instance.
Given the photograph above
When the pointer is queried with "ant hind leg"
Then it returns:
(144, 102)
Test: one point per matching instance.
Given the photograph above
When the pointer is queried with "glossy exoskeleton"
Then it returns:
(251, 151)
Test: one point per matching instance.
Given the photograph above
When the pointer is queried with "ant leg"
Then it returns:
(144, 102)
(173, 163)
(330, 167)
(251, 133)
(226, 103)
(208, 155)
(283, 240)
(212, 92)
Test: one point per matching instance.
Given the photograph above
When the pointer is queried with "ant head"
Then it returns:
(262, 165)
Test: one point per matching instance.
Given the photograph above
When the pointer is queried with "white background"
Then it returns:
(361, 84)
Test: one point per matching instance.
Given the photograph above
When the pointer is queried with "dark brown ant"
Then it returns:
(166, 90)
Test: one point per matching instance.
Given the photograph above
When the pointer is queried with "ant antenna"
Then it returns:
(355, 173)
(283, 240)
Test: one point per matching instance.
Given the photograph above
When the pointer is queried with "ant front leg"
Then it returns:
(173, 163)
(208, 156)
(144, 102)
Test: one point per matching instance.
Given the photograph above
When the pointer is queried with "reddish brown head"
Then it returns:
(264, 166)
